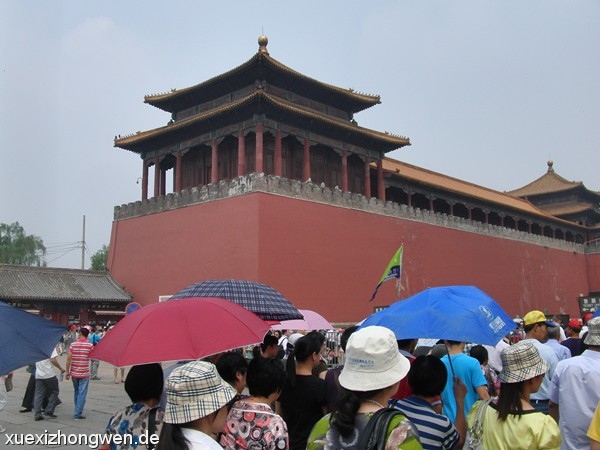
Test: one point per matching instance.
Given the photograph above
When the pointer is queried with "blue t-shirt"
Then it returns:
(95, 338)
(469, 371)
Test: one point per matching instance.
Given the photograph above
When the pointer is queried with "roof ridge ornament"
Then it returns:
(263, 41)
(550, 164)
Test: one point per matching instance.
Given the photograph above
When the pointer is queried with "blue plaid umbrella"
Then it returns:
(25, 338)
(458, 313)
(261, 299)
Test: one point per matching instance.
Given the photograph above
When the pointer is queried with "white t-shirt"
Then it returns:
(45, 369)
(199, 441)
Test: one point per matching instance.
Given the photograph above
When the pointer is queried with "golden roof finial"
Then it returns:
(263, 41)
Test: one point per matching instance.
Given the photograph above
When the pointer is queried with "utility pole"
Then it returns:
(83, 246)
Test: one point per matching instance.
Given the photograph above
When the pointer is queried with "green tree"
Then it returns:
(16, 247)
(98, 259)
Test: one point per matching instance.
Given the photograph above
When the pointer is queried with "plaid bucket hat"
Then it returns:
(521, 362)
(195, 390)
(593, 336)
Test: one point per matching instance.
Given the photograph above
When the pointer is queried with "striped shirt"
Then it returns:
(435, 430)
(80, 360)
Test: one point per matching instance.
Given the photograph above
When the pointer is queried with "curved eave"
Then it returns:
(328, 124)
(442, 182)
(549, 183)
(261, 66)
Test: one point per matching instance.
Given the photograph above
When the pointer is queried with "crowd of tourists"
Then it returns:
(536, 389)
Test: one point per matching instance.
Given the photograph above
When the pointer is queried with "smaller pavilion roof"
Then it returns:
(52, 284)
(548, 183)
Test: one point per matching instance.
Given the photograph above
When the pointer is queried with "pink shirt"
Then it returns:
(80, 360)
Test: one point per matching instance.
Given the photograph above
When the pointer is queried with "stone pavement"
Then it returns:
(103, 400)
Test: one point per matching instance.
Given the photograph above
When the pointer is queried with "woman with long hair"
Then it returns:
(303, 398)
(512, 423)
(371, 375)
(196, 409)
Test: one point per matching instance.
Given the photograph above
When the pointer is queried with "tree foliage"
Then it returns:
(16, 247)
(98, 259)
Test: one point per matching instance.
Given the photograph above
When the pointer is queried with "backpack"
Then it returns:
(374, 435)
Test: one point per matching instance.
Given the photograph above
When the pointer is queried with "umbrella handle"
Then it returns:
(449, 359)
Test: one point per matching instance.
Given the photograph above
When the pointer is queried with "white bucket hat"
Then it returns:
(372, 360)
(593, 336)
(195, 390)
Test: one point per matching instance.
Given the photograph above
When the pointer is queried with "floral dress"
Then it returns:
(133, 421)
(254, 426)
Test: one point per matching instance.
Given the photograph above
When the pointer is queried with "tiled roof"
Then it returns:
(262, 99)
(42, 283)
(260, 66)
(443, 182)
(550, 182)
(561, 209)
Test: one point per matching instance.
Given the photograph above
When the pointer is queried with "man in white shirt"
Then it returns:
(536, 326)
(46, 381)
(575, 391)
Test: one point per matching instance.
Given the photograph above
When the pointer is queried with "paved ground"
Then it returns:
(103, 400)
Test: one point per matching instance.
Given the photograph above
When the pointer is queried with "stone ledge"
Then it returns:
(308, 191)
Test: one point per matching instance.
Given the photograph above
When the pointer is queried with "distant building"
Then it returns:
(263, 173)
(65, 296)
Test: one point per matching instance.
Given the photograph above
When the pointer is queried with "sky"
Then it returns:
(487, 91)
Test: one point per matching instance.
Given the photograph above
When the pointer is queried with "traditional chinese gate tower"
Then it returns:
(263, 174)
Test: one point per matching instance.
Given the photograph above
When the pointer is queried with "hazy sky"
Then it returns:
(487, 91)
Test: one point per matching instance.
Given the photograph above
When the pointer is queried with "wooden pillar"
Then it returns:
(178, 172)
(344, 171)
(156, 176)
(145, 180)
(409, 198)
(380, 185)
(241, 154)
(278, 155)
(259, 149)
(214, 173)
(367, 177)
(306, 161)
(470, 212)
(430, 202)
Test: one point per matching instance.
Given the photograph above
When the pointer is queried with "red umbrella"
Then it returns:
(190, 329)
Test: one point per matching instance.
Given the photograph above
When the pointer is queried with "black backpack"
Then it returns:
(374, 435)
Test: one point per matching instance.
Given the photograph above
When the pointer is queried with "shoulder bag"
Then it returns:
(474, 438)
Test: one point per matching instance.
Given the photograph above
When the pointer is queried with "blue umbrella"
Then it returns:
(261, 299)
(597, 313)
(458, 313)
(25, 338)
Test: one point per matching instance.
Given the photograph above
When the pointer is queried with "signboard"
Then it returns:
(589, 304)
(131, 307)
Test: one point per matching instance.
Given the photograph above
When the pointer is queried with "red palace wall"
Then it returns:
(329, 258)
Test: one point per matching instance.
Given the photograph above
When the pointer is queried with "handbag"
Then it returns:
(8, 384)
(474, 438)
